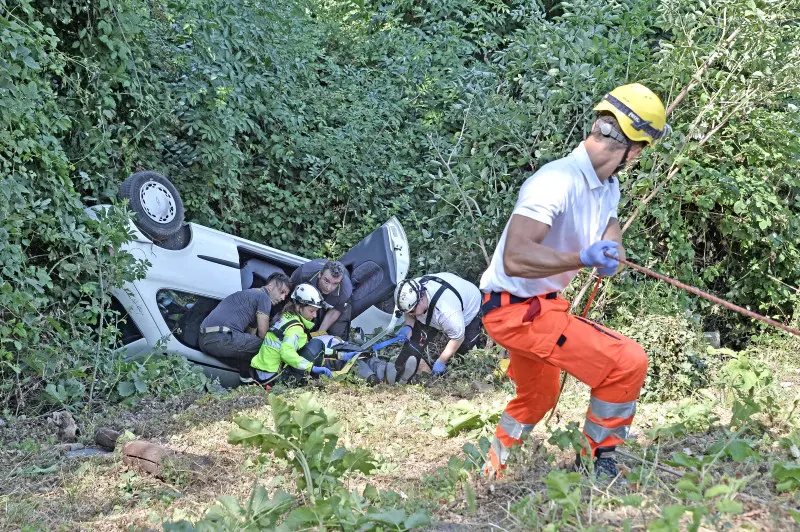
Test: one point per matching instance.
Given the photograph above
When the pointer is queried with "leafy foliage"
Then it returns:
(754, 393)
(677, 354)
(466, 417)
(787, 476)
(155, 375)
(260, 512)
(306, 436)
(57, 264)
(304, 124)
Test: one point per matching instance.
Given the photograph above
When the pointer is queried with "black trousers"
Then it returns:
(235, 347)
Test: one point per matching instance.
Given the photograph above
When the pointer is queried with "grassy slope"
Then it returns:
(403, 426)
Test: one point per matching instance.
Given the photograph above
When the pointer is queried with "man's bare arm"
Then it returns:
(614, 232)
(262, 320)
(450, 350)
(330, 318)
(525, 256)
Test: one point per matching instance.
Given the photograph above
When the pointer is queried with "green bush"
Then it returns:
(676, 349)
(305, 124)
(57, 264)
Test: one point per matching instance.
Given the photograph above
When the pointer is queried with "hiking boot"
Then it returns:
(605, 467)
(409, 369)
(391, 374)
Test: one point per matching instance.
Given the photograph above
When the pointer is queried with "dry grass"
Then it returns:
(96, 493)
(403, 426)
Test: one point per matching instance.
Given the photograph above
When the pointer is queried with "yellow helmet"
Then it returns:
(638, 110)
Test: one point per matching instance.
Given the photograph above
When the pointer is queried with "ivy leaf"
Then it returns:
(729, 506)
(417, 520)
(683, 460)
(715, 491)
(371, 493)
(390, 517)
(787, 474)
(300, 519)
(739, 450)
(126, 388)
(141, 386)
(31, 63)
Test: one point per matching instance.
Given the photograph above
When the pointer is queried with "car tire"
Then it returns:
(155, 202)
(178, 240)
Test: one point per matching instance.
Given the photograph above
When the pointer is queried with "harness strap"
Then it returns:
(279, 332)
(444, 285)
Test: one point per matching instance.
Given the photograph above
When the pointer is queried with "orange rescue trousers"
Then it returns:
(542, 338)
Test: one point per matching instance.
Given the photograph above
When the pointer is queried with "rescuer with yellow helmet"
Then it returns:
(565, 219)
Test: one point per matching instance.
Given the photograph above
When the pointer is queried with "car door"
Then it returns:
(376, 265)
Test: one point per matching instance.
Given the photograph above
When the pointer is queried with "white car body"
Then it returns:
(214, 265)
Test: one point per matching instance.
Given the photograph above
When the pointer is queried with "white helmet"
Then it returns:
(306, 294)
(408, 294)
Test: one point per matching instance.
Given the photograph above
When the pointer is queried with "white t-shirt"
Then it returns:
(567, 195)
(448, 316)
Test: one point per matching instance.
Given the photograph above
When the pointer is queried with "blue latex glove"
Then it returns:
(405, 330)
(347, 356)
(390, 341)
(319, 370)
(608, 271)
(594, 255)
(439, 367)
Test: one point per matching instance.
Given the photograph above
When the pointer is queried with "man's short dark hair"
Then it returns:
(279, 278)
(334, 267)
(608, 118)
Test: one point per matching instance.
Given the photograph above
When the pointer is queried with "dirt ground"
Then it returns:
(42, 489)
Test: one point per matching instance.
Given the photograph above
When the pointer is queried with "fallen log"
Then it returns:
(162, 462)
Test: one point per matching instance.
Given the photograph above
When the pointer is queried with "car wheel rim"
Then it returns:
(157, 202)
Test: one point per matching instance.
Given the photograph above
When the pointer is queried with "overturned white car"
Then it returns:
(194, 267)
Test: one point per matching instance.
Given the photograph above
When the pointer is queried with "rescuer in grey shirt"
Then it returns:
(225, 332)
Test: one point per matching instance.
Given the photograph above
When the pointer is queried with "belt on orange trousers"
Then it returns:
(493, 300)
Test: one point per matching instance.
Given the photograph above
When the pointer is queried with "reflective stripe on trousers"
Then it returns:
(509, 432)
(512, 427)
(608, 424)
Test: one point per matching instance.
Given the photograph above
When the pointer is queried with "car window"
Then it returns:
(183, 312)
(127, 327)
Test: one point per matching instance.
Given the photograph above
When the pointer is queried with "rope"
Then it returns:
(591, 297)
(564, 374)
(710, 297)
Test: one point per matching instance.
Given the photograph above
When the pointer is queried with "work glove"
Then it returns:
(347, 356)
(319, 370)
(405, 330)
(608, 271)
(594, 256)
(439, 367)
